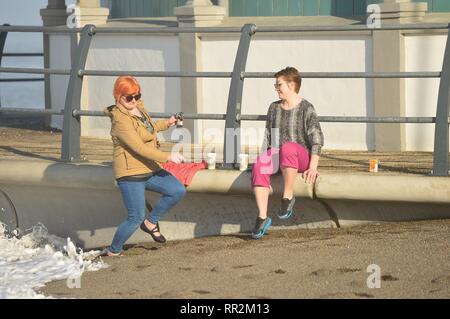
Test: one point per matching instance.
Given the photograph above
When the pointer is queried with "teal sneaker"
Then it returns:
(261, 227)
(287, 208)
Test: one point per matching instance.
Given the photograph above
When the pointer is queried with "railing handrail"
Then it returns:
(242, 117)
(3, 36)
(324, 28)
(21, 54)
(21, 79)
(311, 75)
(34, 71)
(233, 117)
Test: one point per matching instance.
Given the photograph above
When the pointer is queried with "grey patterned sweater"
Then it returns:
(299, 124)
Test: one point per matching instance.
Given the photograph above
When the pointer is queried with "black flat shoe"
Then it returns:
(159, 239)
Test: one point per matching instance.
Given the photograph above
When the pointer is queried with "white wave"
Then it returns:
(29, 262)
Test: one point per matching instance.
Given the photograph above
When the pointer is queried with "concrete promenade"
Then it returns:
(312, 256)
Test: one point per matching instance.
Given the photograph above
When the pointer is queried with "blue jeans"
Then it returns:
(133, 194)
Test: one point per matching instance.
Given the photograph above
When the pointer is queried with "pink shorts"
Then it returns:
(290, 155)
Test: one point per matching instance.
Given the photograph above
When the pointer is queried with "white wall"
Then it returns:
(137, 53)
(339, 97)
(423, 53)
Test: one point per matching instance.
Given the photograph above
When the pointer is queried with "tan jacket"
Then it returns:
(135, 148)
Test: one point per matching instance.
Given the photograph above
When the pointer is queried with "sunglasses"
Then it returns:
(130, 98)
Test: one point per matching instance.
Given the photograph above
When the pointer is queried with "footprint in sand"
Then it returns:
(201, 292)
(280, 271)
(389, 278)
(140, 267)
(242, 266)
(185, 268)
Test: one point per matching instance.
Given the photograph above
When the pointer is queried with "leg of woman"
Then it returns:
(289, 167)
(265, 166)
(289, 175)
(293, 158)
(262, 200)
(133, 194)
(172, 191)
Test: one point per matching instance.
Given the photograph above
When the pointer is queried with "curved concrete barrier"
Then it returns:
(400, 188)
(82, 201)
(234, 182)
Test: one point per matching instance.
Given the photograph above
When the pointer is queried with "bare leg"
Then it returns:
(289, 175)
(262, 200)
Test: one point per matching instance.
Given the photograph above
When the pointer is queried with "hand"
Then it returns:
(310, 175)
(176, 158)
(171, 121)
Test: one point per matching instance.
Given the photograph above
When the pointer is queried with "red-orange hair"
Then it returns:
(125, 85)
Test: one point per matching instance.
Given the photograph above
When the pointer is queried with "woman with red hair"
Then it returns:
(137, 163)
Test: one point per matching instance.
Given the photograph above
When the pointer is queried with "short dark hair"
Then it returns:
(291, 74)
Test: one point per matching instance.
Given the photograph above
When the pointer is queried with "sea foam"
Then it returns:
(30, 261)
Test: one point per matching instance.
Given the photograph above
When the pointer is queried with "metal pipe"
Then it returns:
(232, 140)
(19, 110)
(39, 29)
(329, 75)
(363, 119)
(22, 80)
(34, 71)
(441, 133)
(418, 26)
(244, 117)
(3, 35)
(70, 148)
(340, 75)
(157, 74)
(22, 54)
(331, 28)
(169, 30)
(354, 119)
(201, 116)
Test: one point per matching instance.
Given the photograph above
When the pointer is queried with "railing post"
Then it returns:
(3, 36)
(71, 126)
(232, 143)
(441, 133)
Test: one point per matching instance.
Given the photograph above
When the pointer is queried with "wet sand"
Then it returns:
(414, 259)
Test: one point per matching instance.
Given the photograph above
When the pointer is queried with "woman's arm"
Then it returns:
(268, 132)
(312, 172)
(126, 133)
(162, 125)
(316, 140)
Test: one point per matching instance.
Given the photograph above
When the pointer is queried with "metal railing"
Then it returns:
(233, 117)
(3, 36)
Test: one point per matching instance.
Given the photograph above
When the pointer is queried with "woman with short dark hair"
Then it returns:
(294, 140)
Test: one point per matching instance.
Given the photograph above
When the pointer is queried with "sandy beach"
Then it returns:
(413, 258)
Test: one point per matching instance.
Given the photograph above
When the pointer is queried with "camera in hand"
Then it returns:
(179, 118)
